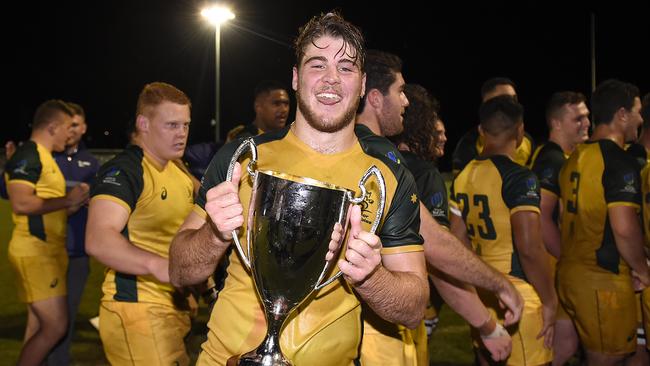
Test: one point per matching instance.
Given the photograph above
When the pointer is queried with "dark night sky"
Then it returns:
(100, 54)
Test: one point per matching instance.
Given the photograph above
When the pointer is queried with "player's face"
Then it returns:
(61, 131)
(575, 123)
(328, 85)
(77, 130)
(439, 138)
(272, 109)
(392, 111)
(633, 121)
(165, 130)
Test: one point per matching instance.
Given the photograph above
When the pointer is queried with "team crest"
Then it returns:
(163, 194)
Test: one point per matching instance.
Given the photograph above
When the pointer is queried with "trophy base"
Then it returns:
(254, 359)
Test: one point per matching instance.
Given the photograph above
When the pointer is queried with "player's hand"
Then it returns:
(335, 241)
(224, 208)
(510, 299)
(499, 343)
(363, 253)
(548, 328)
(78, 195)
(638, 282)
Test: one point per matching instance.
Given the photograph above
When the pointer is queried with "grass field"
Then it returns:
(449, 345)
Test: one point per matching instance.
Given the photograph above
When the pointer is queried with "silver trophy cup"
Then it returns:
(290, 223)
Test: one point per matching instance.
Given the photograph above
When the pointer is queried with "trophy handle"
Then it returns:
(250, 145)
(373, 170)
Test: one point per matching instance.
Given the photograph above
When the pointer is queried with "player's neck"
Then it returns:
(42, 138)
(369, 119)
(161, 162)
(566, 146)
(499, 145)
(324, 142)
(607, 132)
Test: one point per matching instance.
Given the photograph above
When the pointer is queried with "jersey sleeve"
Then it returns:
(521, 190)
(547, 169)
(120, 180)
(621, 182)
(433, 193)
(25, 165)
(401, 225)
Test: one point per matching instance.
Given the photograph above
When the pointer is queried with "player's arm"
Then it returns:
(394, 285)
(550, 231)
(629, 239)
(527, 236)
(24, 200)
(447, 254)
(105, 242)
(201, 242)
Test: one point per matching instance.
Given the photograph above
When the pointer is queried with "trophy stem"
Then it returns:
(268, 353)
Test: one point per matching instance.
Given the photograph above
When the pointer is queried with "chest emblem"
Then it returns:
(163, 194)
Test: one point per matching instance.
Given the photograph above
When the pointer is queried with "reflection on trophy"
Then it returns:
(290, 223)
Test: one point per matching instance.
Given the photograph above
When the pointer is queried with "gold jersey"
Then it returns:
(597, 175)
(43, 234)
(486, 193)
(158, 200)
(330, 321)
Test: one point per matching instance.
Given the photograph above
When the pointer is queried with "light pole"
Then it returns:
(217, 15)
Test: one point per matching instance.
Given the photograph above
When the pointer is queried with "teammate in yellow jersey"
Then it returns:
(567, 118)
(602, 243)
(37, 250)
(381, 111)
(471, 144)
(139, 200)
(386, 271)
(495, 204)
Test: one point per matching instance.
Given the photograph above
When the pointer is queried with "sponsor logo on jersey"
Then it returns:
(54, 283)
(163, 194)
(111, 177)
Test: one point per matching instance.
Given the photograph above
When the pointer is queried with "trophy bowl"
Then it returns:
(290, 224)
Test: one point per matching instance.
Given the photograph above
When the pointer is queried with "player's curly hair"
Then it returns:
(419, 122)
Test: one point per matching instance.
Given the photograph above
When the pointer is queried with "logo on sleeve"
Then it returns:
(20, 167)
(414, 198)
(111, 177)
(531, 187)
(547, 176)
(628, 180)
(391, 155)
(436, 202)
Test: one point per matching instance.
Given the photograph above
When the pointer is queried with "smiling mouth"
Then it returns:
(328, 98)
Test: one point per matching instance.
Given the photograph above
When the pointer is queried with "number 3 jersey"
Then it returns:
(486, 193)
(598, 175)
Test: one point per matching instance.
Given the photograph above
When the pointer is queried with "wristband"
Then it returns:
(499, 331)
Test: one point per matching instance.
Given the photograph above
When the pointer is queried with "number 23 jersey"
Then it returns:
(486, 193)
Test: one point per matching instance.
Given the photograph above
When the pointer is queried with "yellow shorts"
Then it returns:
(143, 333)
(408, 348)
(40, 277)
(526, 348)
(603, 309)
